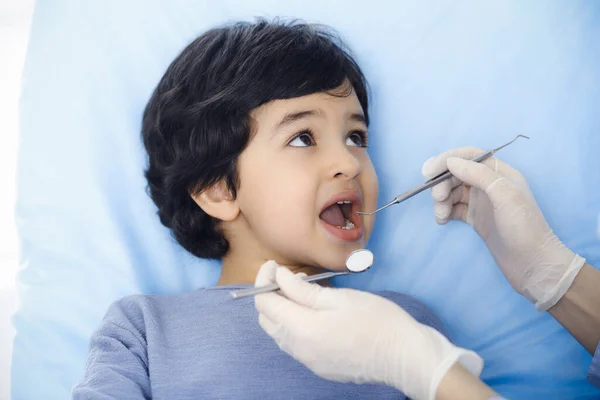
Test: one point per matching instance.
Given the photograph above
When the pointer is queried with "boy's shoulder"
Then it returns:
(141, 309)
(416, 308)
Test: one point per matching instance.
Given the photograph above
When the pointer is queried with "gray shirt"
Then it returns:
(204, 345)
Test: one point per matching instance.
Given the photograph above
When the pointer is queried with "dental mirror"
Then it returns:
(358, 261)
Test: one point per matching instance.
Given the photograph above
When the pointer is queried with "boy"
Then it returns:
(256, 137)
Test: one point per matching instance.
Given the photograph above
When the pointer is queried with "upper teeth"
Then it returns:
(345, 202)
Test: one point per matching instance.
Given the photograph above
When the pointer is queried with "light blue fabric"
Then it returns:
(443, 75)
(203, 345)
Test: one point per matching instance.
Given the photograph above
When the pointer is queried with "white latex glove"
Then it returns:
(495, 199)
(352, 336)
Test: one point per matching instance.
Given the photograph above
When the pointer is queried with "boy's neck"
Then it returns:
(242, 270)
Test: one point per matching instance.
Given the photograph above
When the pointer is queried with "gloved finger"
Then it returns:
(460, 212)
(266, 274)
(271, 304)
(301, 275)
(474, 174)
(515, 177)
(271, 328)
(280, 310)
(442, 209)
(438, 164)
(442, 190)
(506, 170)
(496, 184)
(294, 288)
(277, 332)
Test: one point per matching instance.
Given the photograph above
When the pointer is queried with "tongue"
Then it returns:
(333, 215)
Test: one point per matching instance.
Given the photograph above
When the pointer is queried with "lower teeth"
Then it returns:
(349, 225)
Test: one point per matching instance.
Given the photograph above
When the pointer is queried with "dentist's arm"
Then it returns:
(579, 309)
(458, 383)
(352, 336)
(579, 312)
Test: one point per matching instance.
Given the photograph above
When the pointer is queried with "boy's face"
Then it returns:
(306, 154)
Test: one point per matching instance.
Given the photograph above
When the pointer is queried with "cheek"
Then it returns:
(370, 185)
(370, 189)
(277, 198)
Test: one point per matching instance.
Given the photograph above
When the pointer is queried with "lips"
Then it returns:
(338, 216)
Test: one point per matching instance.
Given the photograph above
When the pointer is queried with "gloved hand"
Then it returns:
(352, 336)
(495, 199)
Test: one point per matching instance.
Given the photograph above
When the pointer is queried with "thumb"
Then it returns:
(484, 178)
(276, 309)
(266, 273)
(299, 291)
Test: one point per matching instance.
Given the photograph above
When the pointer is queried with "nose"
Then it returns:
(345, 164)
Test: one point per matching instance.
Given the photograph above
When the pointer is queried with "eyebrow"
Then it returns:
(293, 117)
(296, 116)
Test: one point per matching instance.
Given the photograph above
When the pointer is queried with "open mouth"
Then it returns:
(340, 215)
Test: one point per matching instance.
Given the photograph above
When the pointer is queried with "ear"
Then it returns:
(217, 201)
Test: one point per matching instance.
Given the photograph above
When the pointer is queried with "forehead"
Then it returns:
(336, 103)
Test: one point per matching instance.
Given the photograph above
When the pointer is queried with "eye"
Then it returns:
(303, 139)
(357, 138)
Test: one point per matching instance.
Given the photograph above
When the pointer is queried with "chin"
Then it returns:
(337, 267)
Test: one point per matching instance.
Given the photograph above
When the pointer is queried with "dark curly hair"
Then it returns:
(197, 121)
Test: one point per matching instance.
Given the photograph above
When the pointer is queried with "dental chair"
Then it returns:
(442, 75)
